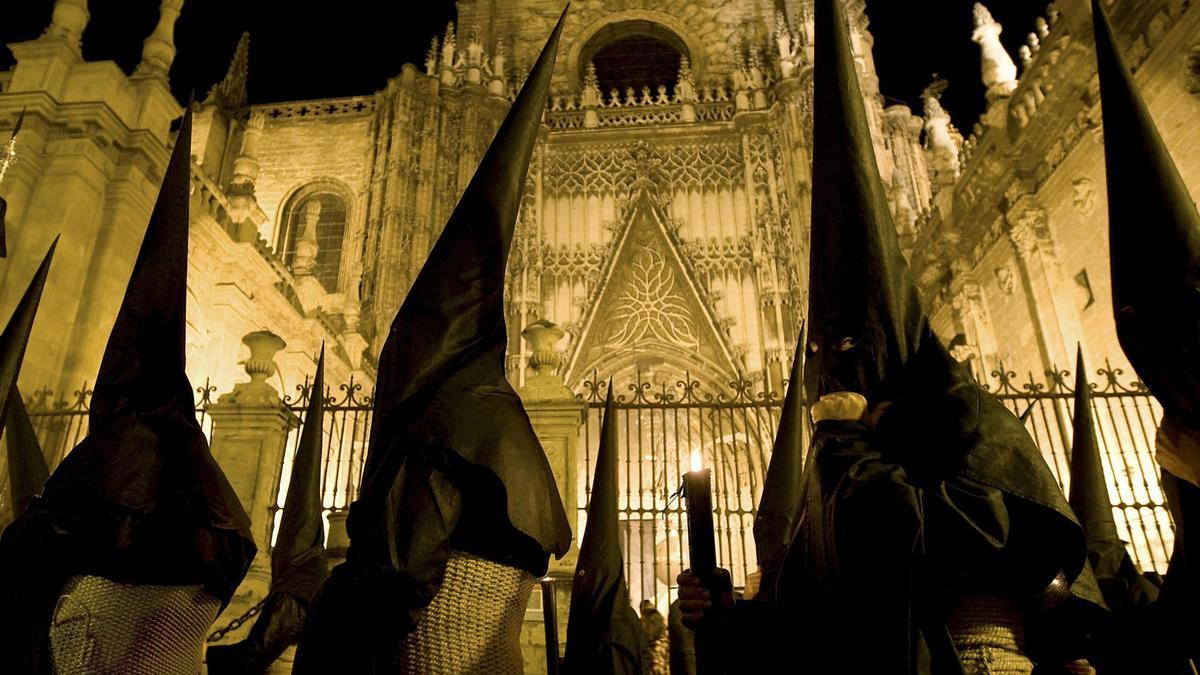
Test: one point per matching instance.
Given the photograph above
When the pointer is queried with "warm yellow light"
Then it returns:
(697, 461)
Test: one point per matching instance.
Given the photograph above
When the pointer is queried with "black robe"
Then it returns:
(901, 521)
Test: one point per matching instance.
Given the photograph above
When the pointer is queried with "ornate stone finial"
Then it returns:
(786, 43)
(69, 19)
(158, 51)
(999, 71)
(546, 383)
(448, 57)
(230, 92)
(431, 58)
(306, 244)
(542, 335)
(498, 84)
(1041, 27)
(264, 345)
(245, 167)
(939, 141)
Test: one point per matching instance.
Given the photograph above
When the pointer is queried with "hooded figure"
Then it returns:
(604, 635)
(779, 508)
(138, 539)
(26, 464)
(932, 534)
(298, 563)
(458, 511)
(1154, 245)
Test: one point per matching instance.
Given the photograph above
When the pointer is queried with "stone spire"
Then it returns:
(999, 71)
(69, 19)
(158, 51)
(230, 92)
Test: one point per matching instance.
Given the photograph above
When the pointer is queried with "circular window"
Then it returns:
(634, 54)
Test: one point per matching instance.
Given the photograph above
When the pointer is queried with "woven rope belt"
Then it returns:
(989, 633)
(473, 624)
(104, 628)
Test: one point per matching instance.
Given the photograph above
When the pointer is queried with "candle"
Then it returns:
(550, 619)
(702, 549)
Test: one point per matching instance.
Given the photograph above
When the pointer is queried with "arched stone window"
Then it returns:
(314, 216)
(634, 54)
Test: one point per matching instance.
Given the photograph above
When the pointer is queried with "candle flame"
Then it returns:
(697, 461)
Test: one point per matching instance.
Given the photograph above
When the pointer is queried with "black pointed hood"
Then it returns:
(441, 379)
(1089, 491)
(1154, 240)
(141, 499)
(1121, 583)
(26, 469)
(603, 631)
(298, 562)
(864, 315)
(779, 508)
(298, 565)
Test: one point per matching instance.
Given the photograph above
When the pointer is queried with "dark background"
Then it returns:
(351, 47)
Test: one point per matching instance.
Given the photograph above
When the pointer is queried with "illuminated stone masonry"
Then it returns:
(665, 222)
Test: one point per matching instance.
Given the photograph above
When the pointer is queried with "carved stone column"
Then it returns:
(972, 315)
(249, 436)
(1058, 327)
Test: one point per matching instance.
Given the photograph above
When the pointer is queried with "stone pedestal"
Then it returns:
(556, 416)
(249, 437)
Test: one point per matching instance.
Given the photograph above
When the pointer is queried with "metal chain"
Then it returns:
(235, 624)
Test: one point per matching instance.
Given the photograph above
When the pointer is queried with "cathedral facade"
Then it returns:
(665, 223)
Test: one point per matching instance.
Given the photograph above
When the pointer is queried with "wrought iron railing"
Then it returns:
(660, 424)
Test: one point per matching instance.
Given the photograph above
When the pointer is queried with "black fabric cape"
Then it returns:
(140, 500)
(453, 461)
(298, 562)
(948, 495)
(779, 508)
(27, 469)
(604, 635)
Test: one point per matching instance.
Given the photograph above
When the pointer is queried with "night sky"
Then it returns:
(300, 52)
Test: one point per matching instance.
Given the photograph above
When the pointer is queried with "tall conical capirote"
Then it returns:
(1089, 491)
(26, 465)
(141, 499)
(1154, 240)
(867, 333)
(298, 562)
(452, 462)
(603, 632)
(864, 316)
(780, 505)
(27, 469)
(441, 375)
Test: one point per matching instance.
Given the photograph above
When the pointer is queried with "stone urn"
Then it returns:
(264, 345)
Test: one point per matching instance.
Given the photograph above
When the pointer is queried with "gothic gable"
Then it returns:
(649, 302)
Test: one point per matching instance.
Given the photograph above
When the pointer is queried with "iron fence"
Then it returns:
(660, 425)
